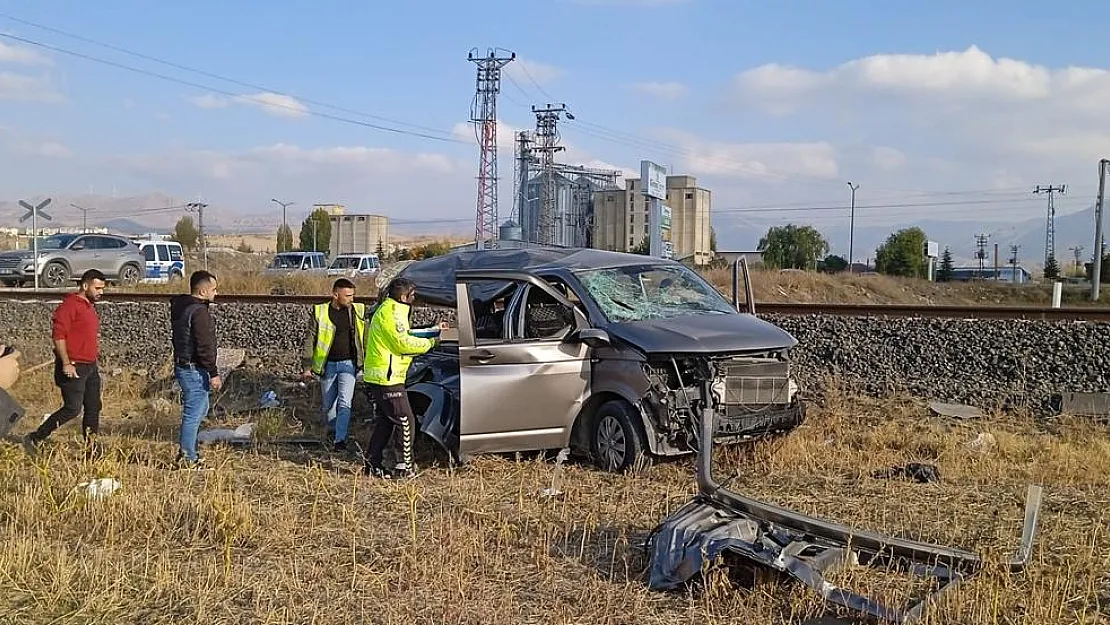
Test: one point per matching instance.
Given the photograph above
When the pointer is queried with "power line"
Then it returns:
(208, 74)
(844, 207)
(230, 94)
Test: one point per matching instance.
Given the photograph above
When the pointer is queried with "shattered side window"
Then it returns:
(643, 292)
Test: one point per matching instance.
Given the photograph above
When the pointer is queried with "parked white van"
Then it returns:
(165, 261)
(355, 266)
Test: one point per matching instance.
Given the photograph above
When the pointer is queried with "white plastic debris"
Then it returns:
(982, 443)
(553, 490)
(240, 434)
(100, 488)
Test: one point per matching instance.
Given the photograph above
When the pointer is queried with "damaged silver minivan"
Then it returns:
(599, 352)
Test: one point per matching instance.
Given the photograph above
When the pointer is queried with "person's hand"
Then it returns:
(306, 374)
(215, 382)
(69, 370)
(443, 325)
(9, 369)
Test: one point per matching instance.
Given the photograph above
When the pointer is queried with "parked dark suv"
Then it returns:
(62, 258)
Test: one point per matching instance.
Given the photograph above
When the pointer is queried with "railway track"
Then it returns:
(775, 308)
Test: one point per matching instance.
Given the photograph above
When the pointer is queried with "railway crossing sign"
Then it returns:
(33, 213)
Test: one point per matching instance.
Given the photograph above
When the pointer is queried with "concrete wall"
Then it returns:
(986, 363)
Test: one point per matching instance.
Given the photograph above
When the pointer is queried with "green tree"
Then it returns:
(381, 250)
(243, 247)
(316, 239)
(1051, 268)
(793, 247)
(903, 254)
(430, 250)
(947, 268)
(185, 233)
(284, 239)
(644, 248)
(834, 264)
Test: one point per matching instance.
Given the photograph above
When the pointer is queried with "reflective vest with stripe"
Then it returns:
(389, 346)
(325, 333)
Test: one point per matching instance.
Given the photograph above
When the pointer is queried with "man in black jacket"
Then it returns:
(194, 358)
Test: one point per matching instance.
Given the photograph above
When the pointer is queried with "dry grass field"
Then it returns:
(274, 534)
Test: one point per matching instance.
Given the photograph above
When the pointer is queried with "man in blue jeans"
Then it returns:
(194, 359)
(333, 350)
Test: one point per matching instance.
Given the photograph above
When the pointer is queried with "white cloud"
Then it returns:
(22, 54)
(662, 90)
(47, 149)
(524, 71)
(274, 104)
(209, 101)
(888, 159)
(20, 87)
(766, 162)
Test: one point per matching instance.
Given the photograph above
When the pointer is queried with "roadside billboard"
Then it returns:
(653, 178)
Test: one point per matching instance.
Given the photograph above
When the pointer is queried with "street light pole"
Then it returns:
(84, 216)
(852, 228)
(284, 206)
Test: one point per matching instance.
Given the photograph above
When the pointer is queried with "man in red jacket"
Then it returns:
(76, 349)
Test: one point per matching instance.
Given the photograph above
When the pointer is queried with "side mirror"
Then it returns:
(592, 337)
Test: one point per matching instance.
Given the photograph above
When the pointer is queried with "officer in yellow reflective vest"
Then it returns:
(389, 352)
(333, 350)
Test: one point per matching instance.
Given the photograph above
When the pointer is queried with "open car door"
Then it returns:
(523, 386)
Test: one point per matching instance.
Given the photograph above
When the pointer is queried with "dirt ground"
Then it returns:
(284, 534)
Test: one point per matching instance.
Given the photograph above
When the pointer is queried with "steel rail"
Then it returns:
(765, 308)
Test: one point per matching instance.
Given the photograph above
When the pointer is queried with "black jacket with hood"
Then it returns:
(194, 333)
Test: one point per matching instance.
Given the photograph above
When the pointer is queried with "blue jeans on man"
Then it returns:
(337, 390)
(195, 385)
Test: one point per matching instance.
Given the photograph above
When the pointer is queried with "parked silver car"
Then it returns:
(62, 258)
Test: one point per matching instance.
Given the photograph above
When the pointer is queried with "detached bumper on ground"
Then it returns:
(721, 523)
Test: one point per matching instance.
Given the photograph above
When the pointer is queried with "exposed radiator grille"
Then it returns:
(11, 263)
(754, 382)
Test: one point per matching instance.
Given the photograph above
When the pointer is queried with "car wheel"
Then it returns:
(55, 275)
(129, 275)
(615, 442)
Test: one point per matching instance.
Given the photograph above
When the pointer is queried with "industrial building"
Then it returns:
(621, 219)
(573, 207)
(358, 234)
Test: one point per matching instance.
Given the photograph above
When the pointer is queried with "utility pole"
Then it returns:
(1096, 266)
(852, 226)
(547, 134)
(981, 252)
(1050, 225)
(483, 112)
(284, 206)
(1013, 262)
(84, 216)
(996, 262)
(198, 208)
(1077, 252)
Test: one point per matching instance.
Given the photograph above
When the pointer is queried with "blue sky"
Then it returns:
(769, 104)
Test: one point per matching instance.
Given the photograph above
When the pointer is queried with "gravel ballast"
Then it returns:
(990, 364)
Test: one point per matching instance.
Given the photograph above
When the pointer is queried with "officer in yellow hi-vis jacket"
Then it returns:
(333, 350)
(389, 351)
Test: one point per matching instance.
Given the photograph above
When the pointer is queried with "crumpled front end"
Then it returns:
(753, 395)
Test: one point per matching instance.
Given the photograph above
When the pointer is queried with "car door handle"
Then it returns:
(483, 356)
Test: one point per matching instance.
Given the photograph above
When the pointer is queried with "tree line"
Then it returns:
(803, 247)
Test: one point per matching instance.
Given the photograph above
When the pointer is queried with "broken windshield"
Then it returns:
(642, 292)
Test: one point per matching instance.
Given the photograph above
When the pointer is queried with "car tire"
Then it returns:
(616, 444)
(129, 275)
(55, 275)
